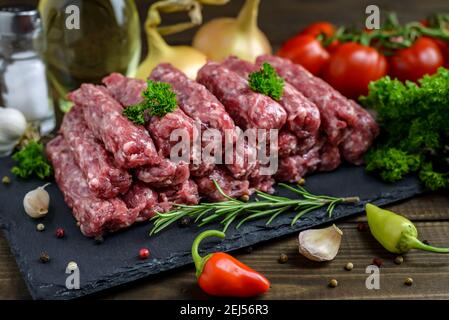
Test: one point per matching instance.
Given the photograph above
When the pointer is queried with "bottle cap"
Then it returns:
(19, 21)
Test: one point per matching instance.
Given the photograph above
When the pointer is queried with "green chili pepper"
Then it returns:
(395, 233)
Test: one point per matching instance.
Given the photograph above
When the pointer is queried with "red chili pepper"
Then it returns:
(220, 274)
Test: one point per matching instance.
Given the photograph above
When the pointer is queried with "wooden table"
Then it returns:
(300, 278)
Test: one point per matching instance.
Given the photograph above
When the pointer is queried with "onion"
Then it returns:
(241, 37)
(186, 59)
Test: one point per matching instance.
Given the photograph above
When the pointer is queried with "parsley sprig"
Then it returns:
(159, 99)
(267, 82)
(31, 161)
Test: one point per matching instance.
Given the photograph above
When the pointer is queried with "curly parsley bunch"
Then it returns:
(414, 119)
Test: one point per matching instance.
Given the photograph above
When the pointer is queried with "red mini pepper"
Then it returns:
(220, 274)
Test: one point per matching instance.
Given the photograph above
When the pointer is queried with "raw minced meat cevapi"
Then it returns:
(344, 122)
(230, 186)
(99, 143)
(249, 109)
(128, 92)
(103, 176)
(201, 105)
(303, 116)
(130, 145)
(96, 216)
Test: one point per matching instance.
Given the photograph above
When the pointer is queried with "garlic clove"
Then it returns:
(36, 202)
(12, 123)
(12, 127)
(320, 244)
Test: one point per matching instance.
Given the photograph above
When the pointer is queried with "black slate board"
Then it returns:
(115, 261)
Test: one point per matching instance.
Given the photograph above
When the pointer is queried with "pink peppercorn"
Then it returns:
(144, 253)
(60, 233)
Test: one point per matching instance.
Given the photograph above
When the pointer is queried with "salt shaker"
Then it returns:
(23, 80)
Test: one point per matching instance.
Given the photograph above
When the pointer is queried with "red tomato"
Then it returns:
(444, 49)
(424, 23)
(317, 28)
(307, 51)
(443, 45)
(423, 57)
(352, 67)
(331, 48)
(322, 27)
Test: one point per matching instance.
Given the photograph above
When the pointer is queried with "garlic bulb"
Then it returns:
(12, 126)
(320, 244)
(36, 202)
(241, 37)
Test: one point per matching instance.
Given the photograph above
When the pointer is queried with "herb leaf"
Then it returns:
(31, 160)
(135, 113)
(267, 82)
(392, 164)
(159, 99)
(414, 131)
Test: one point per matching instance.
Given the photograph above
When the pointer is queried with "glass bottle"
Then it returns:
(89, 39)
(23, 81)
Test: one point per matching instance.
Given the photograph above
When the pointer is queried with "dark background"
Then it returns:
(280, 19)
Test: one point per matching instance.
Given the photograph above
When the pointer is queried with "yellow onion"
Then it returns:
(186, 59)
(241, 37)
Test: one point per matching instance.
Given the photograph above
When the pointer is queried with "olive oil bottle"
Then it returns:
(87, 40)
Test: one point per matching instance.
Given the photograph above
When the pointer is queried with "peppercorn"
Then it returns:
(362, 226)
(98, 239)
(283, 258)
(349, 266)
(245, 198)
(301, 182)
(398, 260)
(185, 222)
(6, 180)
(40, 227)
(408, 281)
(60, 233)
(333, 283)
(72, 266)
(144, 253)
(44, 257)
(378, 262)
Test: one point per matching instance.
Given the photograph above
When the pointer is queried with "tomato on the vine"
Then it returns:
(423, 57)
(322, 27)
(317, 28)
(442, 45)
(444, 48)
(307, 51)
(352, 67)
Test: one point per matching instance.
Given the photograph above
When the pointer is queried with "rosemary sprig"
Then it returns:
(266, 206)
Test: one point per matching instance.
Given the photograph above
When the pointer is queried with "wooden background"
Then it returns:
(300, 278)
